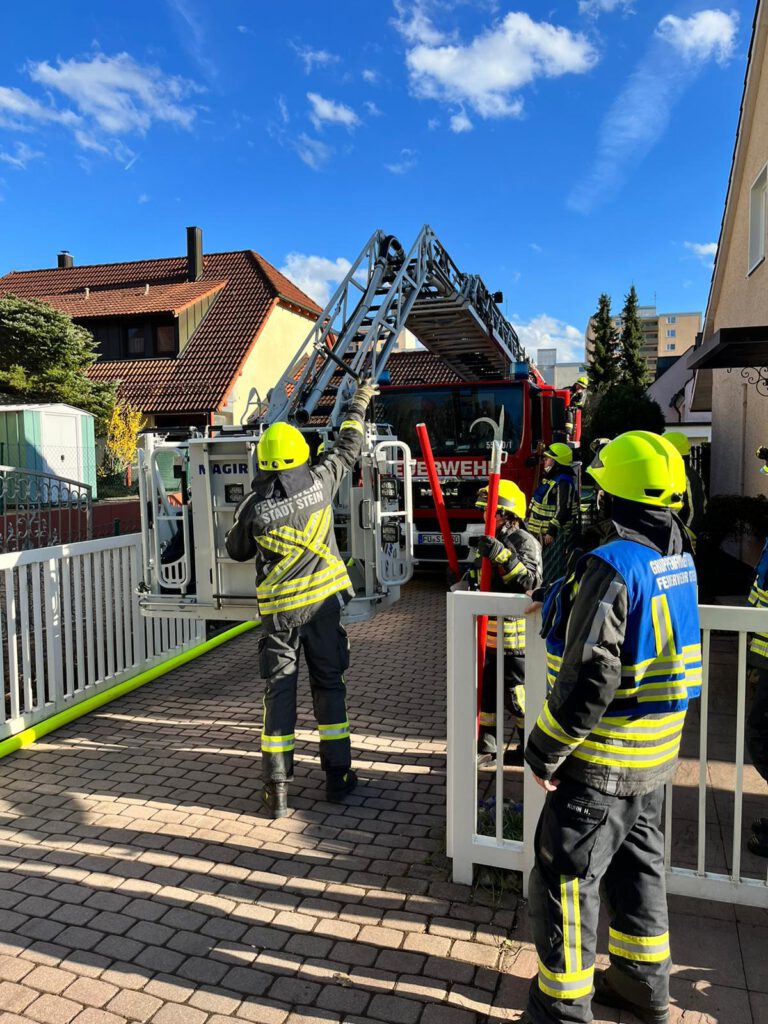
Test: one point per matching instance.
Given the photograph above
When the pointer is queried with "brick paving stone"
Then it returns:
(14, 969)
(447, 1015)
(179, 1013)
(49, 1009)
(14, 997)
(49, 979)
(136, 1006)
(394, 1008)
(94, 1016)
(91, 992)
(294, 991)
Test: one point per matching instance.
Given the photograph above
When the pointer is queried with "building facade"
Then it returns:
(731, 361)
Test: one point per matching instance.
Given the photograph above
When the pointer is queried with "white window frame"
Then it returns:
(672, 333)
(671, 319)
(758, 206)
(671, 346)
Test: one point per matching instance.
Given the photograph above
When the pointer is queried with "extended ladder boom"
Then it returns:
(452, 314)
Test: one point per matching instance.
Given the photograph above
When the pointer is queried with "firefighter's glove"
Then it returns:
(489, 547)
(365, 392)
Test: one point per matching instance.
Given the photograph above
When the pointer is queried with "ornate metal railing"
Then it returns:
(40, 509)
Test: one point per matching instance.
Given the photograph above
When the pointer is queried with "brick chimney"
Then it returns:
(194, 254)
(65, 260)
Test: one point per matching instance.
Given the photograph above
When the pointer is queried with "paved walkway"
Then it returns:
(139, 883)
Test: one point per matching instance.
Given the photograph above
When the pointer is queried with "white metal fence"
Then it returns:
(726, 880)
(71, 627)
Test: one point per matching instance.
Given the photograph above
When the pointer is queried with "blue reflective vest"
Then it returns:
(639, 734)
(661, 653)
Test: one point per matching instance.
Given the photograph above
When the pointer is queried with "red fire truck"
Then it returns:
(463, 419)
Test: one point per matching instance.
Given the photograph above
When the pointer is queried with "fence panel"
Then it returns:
(70, 627)
(704, 813)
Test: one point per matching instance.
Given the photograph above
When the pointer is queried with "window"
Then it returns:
(672, 333)
(134, 341)
(165, 340)
(671, 319)
(671, 346)
(757, 220)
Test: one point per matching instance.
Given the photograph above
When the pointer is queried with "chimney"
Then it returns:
(65, 260)
(194, 254)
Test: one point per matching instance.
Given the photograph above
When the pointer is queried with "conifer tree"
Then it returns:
(633, 367)
(603, 368)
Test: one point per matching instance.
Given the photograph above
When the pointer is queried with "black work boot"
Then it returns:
(339, 784)
(274, 798)
(606, 995)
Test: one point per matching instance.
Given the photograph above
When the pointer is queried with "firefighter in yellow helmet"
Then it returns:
(516, 559)
(553, 506)
(695, 500)
(286, 524)
(607, 741)
(578, 396)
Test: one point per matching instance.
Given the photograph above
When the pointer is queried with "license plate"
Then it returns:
(436, 538)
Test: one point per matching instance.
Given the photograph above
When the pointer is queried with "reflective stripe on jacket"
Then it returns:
(290, 518)
(615, 716)
(517, 574)
(552, 505)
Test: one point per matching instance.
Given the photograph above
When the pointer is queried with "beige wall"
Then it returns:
(686, 326)
(275, 347)
(739, 413)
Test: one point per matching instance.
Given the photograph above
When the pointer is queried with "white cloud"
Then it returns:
(702, 36)
(20, 111)
(326, 111)
(545, 331)
(487, 73)
(313, 152)
(594, 8)
(536, 247)
(460, 122)
(143, 198)
(282, 106)
(415, 25)
(312, 58)
(640, 114)
(118, 95)
(243, 30)
(372, 110)
(406, 162)
(20, 157)
(370, 76)
(194, 35)
(315, 275)
(705, 251)
(433, 124)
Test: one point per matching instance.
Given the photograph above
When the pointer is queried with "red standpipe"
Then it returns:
(438, 499)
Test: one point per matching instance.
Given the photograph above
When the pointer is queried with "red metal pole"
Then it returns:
(438, 499)
(486, 573)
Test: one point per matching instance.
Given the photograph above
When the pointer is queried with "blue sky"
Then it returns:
(559, 150)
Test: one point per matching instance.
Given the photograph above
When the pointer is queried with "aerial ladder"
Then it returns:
(186, 570)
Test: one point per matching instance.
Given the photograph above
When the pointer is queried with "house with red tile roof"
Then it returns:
(187, 338)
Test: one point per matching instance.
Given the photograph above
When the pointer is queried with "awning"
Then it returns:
(732, 346)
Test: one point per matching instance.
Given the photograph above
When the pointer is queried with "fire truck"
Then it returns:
(464, 419)
(494, 391)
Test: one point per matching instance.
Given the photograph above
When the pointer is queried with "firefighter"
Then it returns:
(286, 523)
(757, 721)
(578, 393)
(516, 559)
(695, 500)
(607, 741)
(553, 505)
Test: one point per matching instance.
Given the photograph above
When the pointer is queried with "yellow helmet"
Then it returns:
(511, 499)
(680, 441)
(282, 446)
(643, 467)
(584, 381)
(561, 453)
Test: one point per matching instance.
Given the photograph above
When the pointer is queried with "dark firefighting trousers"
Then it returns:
(326, 652)
(514, 698)
(757, 722)
(586, 839)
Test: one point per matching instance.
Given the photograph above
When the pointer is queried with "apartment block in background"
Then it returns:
(666, 336)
